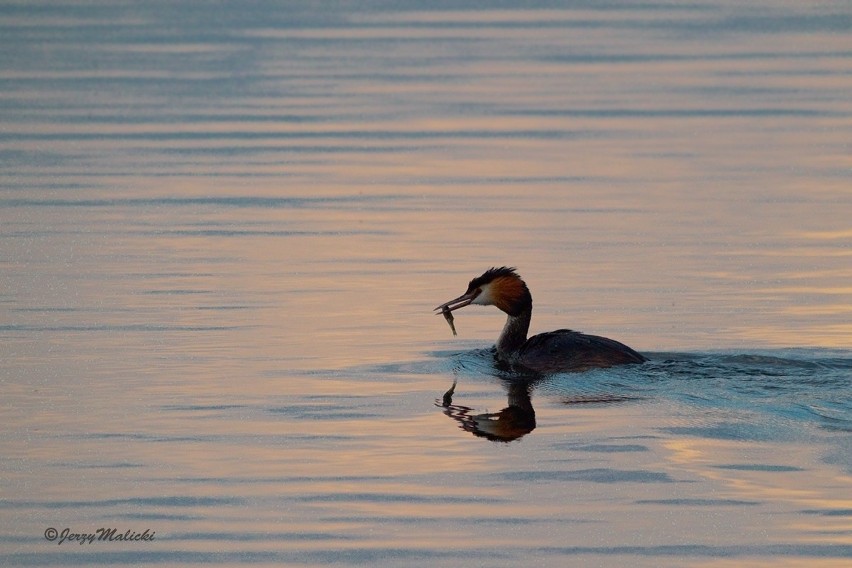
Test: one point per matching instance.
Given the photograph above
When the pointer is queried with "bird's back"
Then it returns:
(567, 350)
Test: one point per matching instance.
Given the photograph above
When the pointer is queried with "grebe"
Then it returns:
(550, 352)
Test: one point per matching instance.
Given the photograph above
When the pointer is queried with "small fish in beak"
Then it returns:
(448, 315)
(447, 308)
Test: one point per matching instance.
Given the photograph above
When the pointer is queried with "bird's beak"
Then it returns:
(459, 302)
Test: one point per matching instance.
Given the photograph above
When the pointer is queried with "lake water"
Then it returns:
(224, 226)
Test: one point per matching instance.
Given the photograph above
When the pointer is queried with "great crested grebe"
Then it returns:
(550, 352)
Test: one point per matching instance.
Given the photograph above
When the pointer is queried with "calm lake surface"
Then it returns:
(224, 227)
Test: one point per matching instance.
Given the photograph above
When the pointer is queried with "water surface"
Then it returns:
(223, 229)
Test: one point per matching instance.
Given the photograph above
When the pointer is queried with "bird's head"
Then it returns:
(501, 287)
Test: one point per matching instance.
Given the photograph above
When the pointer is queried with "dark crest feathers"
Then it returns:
(490, 275)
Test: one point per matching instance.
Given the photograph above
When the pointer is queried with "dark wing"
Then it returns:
(567, 350)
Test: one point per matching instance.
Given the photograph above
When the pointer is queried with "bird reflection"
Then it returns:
(511, 423)
(517, 419)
